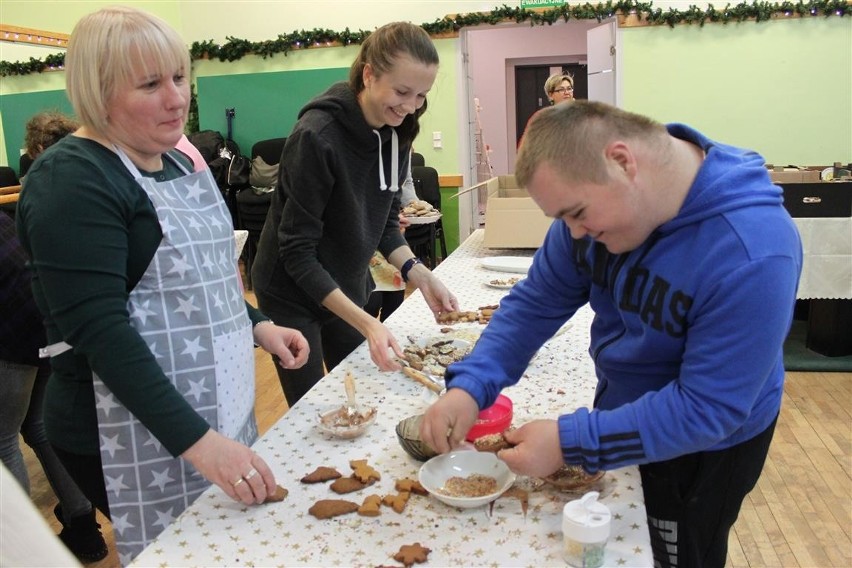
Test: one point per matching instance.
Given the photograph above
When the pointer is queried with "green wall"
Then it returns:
(61, 15)
(17, 109)
(268, 93)
(450, 217)
(782, 88)
(265, 105)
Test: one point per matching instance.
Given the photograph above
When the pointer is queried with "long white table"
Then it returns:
(215, 531)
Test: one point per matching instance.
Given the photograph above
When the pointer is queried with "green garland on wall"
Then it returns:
(234, 48)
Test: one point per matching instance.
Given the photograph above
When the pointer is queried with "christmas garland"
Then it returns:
(235, 49)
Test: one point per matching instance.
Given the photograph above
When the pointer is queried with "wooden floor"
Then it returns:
(800, 513)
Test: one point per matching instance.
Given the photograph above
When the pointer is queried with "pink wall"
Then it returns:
(493, 56)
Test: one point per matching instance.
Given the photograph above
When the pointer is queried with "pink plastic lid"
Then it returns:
(492, 420)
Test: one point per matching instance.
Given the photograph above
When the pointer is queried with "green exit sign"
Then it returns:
(541, 3)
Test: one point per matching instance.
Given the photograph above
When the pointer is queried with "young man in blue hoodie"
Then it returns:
(685, 253)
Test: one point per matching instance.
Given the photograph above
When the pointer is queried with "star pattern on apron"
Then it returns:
(189, 309)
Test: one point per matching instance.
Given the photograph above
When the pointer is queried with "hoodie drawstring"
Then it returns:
(394, 162)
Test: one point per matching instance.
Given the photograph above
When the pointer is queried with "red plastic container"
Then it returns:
(492, 420)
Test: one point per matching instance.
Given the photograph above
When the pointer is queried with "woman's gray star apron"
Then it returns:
(189, 309)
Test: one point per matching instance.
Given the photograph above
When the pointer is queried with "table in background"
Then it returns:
(826, 283)
(822, 212)
(217, 531)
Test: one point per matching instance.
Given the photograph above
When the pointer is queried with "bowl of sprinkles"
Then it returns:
(466, 478)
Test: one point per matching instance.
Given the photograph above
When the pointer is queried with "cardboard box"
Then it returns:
(512, 219)
(793, 175)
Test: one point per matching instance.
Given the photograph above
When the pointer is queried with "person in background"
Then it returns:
(338, 201)
(559, 88)
(43, 130)
(23, 379)
(683, 249)
(134, 269)
(186, 147)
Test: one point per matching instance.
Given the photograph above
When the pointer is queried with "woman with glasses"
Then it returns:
(559, 88)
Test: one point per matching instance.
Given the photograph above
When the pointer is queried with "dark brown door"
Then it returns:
(529, 89)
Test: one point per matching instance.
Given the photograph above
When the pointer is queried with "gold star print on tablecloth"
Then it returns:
(559, 380)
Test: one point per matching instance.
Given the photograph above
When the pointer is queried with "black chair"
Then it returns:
(270, 150)
(9, 179)
(424, 239)
(252, 206)
(417, 159)
(24, 163)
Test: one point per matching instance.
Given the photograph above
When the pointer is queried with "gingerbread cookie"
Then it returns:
(278, 495)
(364, 472)
(397, 502)
(409, 554)
(328, 508)
(348, 485)
(411, 486)
(321, 474)
(371, 506)
(492, 442)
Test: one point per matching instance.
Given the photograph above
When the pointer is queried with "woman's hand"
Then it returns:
(437, 296)
(535, 449)
(235, 468)
(288, 344)
(404, 223)
(384, 348)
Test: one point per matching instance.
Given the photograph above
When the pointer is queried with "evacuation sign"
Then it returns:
(541, 3)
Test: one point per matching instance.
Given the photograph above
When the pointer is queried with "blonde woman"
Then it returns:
(134, 270)
(559, 88)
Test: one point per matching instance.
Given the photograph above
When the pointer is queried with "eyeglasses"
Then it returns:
(564, 90)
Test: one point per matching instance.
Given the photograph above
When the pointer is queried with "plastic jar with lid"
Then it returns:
(585, 531)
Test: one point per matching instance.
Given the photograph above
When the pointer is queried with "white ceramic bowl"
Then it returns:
(329, 423)
(435, 473)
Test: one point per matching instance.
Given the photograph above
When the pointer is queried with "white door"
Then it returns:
(601, 58)
(469, 218)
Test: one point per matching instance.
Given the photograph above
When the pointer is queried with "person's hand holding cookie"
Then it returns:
(242, 474)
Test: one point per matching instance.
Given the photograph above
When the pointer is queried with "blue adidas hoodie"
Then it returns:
(688, 329)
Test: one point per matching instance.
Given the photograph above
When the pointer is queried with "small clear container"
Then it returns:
(585, 531)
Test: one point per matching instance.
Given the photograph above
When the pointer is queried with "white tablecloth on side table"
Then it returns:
(216, 531)
(827, 263)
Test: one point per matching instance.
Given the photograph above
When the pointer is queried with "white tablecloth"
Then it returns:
(827, 265)
(216, 531)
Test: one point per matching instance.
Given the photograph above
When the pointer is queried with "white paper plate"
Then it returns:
(456, 342)
(423, 219)
(501, 283)
(517, 264)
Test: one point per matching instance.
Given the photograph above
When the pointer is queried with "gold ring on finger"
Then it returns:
(237, 482)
